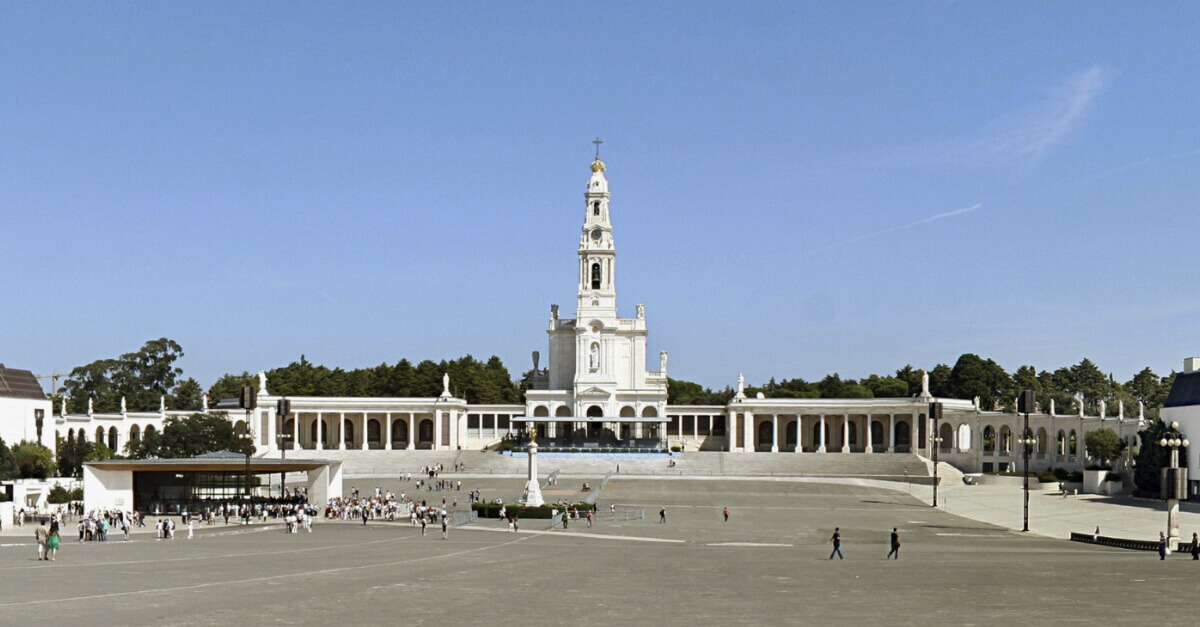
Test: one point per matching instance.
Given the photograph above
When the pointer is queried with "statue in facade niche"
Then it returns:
(594, 357)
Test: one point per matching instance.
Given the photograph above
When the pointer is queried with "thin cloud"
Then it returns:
(1024, 137)
(940, 216)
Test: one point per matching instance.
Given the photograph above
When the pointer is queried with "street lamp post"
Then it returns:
(1174, 480)
(1025, 404)
(935, 414)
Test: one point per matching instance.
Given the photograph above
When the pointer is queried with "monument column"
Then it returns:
(388, 443)
(320, 431)
(731, 424)
(845, 433)
(341, 436)
(362, 441)
(412, 431)
(821, 442)
(867, 430)
(748, 431)
(437, 429)
(891, 433)
(296, 432)
(774, 433)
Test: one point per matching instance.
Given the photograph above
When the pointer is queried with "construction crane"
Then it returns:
(54, 377)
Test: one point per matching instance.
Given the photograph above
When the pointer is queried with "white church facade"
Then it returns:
(596, 390)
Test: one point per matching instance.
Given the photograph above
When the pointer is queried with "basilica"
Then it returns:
(595, 392)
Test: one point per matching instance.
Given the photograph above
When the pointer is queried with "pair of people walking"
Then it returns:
(836, 541)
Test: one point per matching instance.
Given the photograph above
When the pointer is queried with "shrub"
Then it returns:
(1075, 476)
(58, 495)
(1061, 473)
(676, 449)
(77, 494)
(1047, 477)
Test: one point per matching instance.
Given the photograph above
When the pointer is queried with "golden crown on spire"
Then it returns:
(597, 165)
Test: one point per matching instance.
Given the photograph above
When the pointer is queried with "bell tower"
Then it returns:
(597, 293)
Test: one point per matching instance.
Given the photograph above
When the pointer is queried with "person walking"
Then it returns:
(53, 541)
(589, 518)
(1195, 546)
(1162, 546)
(42, 533)
(725, 513)
(836, 541)
(895, 544)
(445, 528)
(662, 516)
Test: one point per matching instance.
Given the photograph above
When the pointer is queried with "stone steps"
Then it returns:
(695, 464)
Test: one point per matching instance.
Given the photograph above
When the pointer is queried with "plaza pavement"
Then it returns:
(768, 565)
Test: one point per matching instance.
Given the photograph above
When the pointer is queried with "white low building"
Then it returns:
(24, 409)
(596, 390)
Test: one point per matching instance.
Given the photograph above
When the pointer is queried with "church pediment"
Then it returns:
(594, 392)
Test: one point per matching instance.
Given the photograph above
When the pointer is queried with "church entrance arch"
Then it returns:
(374, 434)
(903, 437)
(765, 438)
(400, 433)
(594, 427)
(425, 434)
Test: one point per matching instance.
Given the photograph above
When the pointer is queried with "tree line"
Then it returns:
(971, 376)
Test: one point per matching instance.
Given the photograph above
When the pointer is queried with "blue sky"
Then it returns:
(798, 188)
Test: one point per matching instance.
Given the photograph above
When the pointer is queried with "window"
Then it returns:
(596, 208)
(595, 276)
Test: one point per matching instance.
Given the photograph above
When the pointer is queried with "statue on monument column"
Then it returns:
(662, 361)
(262, 382)
(536, 357)
(641, 311)
(925, 383)
(741, 384)
(446, 384)
(123, 410)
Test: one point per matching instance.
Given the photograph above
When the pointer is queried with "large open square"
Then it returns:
(768, 564)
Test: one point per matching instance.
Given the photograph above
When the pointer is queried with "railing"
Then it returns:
(1121, 543)
(591, 498)
(464, 518)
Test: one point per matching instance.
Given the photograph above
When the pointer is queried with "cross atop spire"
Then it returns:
(597, 142)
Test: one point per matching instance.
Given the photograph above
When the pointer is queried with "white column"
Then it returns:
(891, 433)
(362, 441)
(437, 428)
(845, 433)
(730, 424)
(341, 431)
(412, 430)
(388, 442)
(320, 432)
(748, 431)
(799, 435)
(774, 433)
(821, 436)
(868, 448)
(296, 431)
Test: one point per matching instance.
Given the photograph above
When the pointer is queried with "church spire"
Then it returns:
(597, 252)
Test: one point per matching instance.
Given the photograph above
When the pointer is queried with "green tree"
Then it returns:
(888, 387)
(1105, 445)
(1151, 459)
(33, 460)
(911, 377)
(187, 396)
(141, 377)
(99, 453)
(1026, 378)
(973, 376)
(198, 434)
(8, 463)
(939, 381)
(58, 495)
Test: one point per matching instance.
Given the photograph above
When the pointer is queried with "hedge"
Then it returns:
(491, 510)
